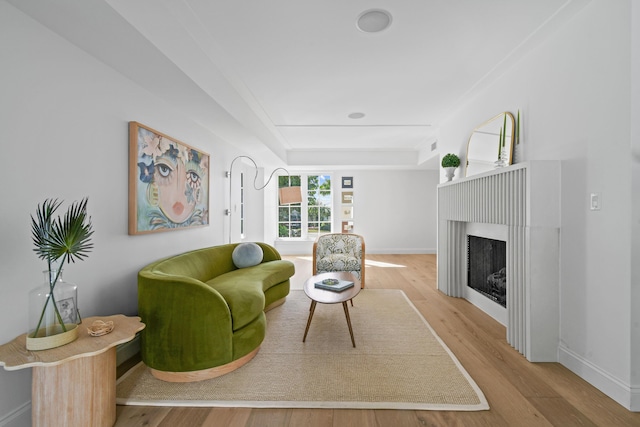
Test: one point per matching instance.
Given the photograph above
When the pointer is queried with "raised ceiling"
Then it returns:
(280, 78)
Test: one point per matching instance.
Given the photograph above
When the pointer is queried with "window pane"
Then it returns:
(283, 230)
(296, 213)
(312, 183)
(296, 229)
(325, 182)
(283, 214)
(313, 214)
(325, 227)
(325, 214)
(289, 181)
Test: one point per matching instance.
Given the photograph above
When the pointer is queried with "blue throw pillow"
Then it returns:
(247, 255)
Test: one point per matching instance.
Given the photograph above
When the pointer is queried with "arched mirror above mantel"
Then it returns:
(491, 144)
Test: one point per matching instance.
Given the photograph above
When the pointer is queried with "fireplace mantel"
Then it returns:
(525, 199)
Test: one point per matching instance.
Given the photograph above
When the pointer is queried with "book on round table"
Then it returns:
(340, 286)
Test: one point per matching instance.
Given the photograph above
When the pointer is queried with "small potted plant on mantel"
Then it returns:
(450, 163)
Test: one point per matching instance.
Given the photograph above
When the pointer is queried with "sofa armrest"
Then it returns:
(269, 253)
(188, 324)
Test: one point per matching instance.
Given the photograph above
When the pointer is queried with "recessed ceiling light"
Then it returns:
(356, 115)
(373, 20)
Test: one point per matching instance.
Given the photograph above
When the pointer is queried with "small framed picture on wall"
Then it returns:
(347, 212)
(347, 182)
(347, 197)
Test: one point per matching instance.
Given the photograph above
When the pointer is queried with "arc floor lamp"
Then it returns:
(287, 195)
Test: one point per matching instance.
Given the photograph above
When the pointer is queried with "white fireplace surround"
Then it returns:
(524, 201)
(488, 231)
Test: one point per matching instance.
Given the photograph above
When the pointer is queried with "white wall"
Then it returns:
(574, 94)
(64, 134)
(394, 210)
(635, 197)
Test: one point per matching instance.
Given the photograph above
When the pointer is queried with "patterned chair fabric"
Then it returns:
(339, 252)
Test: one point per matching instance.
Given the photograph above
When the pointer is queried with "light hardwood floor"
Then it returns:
(519, 393)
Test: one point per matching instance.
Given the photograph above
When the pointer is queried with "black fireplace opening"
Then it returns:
(487, 268)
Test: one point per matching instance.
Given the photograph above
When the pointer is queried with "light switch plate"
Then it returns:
(595, 201)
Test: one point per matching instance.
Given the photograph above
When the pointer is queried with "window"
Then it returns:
(313, 216)
(318, 205)
(289, 216)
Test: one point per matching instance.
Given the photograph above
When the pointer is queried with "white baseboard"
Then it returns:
(19, 417)
(621, 392)
(635, 399)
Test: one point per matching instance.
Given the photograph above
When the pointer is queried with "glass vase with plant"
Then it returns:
(57, 241)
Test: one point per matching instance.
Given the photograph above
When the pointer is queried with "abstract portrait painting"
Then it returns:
(168, 182)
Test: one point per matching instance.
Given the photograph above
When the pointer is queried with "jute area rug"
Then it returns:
(398, 363)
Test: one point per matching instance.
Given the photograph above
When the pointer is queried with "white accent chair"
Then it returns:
(339, 252)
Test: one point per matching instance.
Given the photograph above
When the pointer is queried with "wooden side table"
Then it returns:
(75, 384)
(329, 297)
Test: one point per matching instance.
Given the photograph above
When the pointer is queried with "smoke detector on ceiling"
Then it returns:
(373, 20)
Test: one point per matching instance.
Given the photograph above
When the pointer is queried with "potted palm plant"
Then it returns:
(450, 163)
(53, 311)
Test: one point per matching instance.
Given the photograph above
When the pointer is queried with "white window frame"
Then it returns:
(304, 213)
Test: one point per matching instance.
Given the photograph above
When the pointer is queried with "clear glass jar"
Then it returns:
(49, 312)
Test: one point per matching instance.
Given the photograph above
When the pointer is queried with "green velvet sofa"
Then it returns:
(204, 316)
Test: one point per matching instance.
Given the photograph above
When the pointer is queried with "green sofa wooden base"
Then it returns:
(204, 317)
(203, 374)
